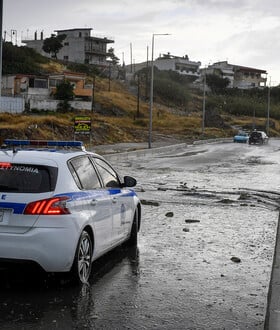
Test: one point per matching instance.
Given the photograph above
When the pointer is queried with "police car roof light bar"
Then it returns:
(43, 143)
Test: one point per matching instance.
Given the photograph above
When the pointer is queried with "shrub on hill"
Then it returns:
(21, 60)
(170, 87)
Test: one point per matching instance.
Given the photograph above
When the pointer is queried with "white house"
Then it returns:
(178, 64)
(78, 46)
(239, 76)
(167, 62)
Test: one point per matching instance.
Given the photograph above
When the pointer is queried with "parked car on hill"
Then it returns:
(258, 137)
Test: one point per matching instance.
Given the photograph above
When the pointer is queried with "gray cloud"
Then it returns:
(245, 30)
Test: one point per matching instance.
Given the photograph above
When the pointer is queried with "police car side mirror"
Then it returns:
(129, 181)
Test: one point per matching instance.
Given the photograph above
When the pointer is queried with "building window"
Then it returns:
(80, 34)
(53, 83)
(66, 44)
(40, 83)
(65, 57)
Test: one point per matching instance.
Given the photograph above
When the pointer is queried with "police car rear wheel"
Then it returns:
(81, 268)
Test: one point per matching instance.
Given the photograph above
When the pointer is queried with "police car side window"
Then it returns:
(108, 175)
(84, 173)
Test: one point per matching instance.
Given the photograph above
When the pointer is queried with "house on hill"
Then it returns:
(166, 62)
(43, 87)
(241, 77)
(178, 64)
(78, 46)
(38, 91)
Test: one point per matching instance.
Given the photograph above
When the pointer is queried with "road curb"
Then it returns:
(158, 150)
(272, 319)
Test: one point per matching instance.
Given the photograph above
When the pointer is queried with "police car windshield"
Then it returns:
(26, 178)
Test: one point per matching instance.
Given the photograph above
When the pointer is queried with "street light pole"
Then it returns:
(268, 108)
(203, 105)
(152, 89)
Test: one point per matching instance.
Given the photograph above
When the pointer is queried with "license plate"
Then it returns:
(4, 215)
(1, 216)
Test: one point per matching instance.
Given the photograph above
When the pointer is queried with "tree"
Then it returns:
(53, 44)
(65, 93)
(112, 56)
(216, 84)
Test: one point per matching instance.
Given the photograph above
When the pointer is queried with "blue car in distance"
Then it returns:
(241, 137)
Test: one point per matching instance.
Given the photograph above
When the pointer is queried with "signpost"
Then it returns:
(82, 125)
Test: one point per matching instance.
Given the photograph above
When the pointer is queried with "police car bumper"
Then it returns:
(52, 249)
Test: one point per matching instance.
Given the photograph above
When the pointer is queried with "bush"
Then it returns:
(21, 60)
(171, 91)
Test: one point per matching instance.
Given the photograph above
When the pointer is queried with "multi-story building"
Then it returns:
(78, 46)
(167, 62)
(239, 76)
(178, 64)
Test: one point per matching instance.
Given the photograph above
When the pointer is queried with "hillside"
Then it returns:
(117, 117)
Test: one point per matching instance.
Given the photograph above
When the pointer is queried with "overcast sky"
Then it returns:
(242, 32)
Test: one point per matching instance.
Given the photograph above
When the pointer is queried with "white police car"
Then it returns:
(62, 207)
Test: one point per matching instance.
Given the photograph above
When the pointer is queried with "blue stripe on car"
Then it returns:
(18, 208)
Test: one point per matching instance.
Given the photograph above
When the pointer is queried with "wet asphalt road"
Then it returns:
(204, 255)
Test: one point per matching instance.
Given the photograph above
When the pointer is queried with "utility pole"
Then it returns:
(93, 94)
(109, 87)
(1, 44)
(138, 96)
(152, 90)
(131, 57)
(268, 107)
(203, 105)
(147, 75)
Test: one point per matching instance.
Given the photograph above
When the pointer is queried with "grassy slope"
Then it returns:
(121, 125)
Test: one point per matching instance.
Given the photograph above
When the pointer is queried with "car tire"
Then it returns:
(82, 264)
(133, 238)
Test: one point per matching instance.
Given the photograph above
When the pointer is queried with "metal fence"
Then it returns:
(11, 104)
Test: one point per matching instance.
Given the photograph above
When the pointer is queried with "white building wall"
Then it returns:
(8, 81)
(11, 104)
(165, 64)
(43, 104)
(75, 51)
(38, 92)
(52, 104)
(36, 45)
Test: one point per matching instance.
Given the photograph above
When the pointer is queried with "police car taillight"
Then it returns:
(50, 206)
(5, 165)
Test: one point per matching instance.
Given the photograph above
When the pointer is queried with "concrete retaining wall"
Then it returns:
(52, 104)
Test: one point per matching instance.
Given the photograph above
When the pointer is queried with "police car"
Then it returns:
(62, 207)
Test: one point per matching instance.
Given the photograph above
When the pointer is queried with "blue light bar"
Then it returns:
(43, 143)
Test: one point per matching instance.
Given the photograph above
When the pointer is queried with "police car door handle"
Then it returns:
(93, 202)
